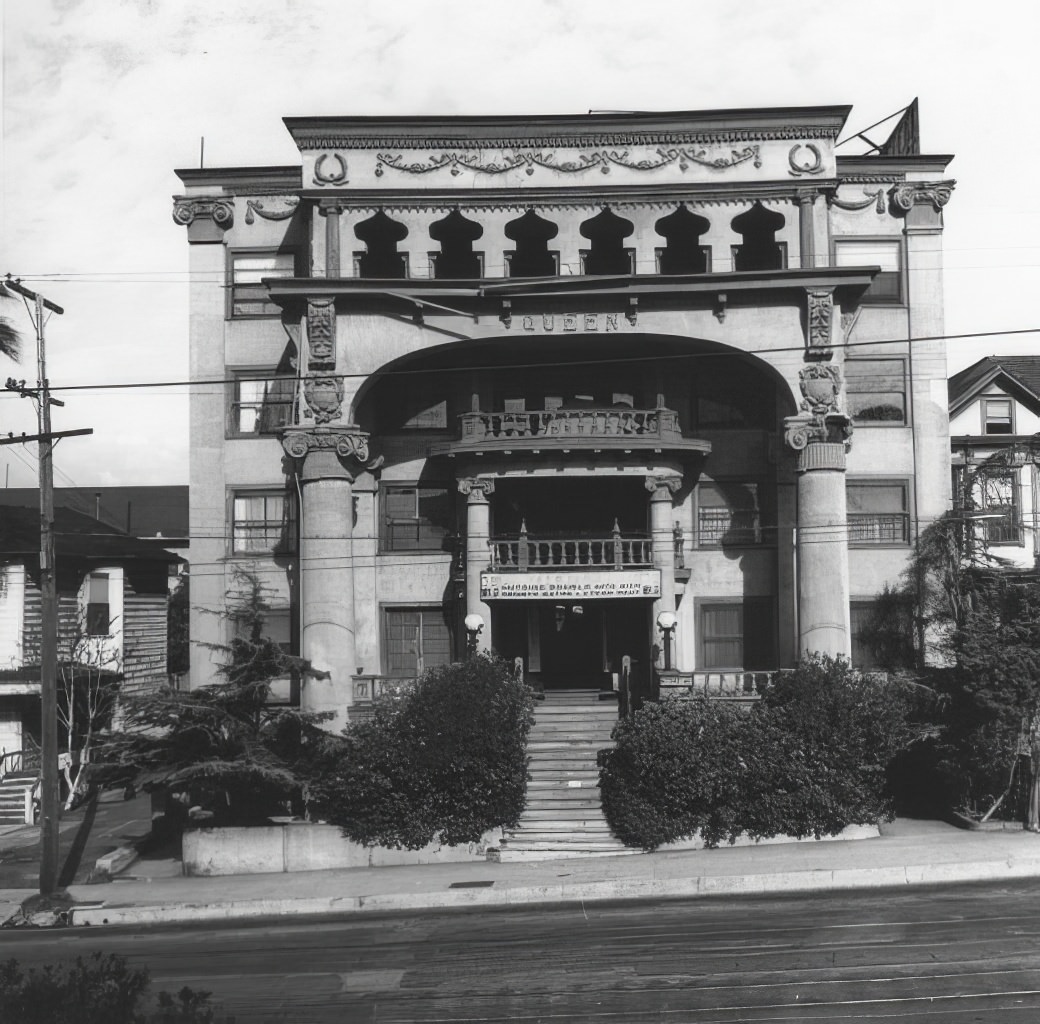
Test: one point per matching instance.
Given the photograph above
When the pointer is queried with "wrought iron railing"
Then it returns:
(879, 528)
(524, 552)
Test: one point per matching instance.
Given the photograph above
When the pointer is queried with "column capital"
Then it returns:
(348, 443)
(662, 485)
(205, 217)
(476, 488)
(907, 194)
(821, 441)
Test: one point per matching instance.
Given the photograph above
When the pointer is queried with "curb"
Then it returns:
(820, 879)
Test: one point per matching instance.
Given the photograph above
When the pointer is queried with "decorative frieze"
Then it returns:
(321, 334)
(875, 198)
(800, 164)
(460, 161)
(256, 208)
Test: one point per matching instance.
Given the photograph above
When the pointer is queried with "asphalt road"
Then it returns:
(965, 953)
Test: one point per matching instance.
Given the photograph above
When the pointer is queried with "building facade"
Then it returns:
(635, 389)
(995, 445)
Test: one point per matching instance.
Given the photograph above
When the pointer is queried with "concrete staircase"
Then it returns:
(14, 788)
(563, 816)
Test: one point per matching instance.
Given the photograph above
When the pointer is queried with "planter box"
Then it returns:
(303, 846)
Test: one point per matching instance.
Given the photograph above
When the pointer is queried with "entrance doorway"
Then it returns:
(572, 644)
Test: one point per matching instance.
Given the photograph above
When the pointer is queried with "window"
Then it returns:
(890, 643)
(1000, 504)
(738, 634)
(878, 512)
(997, 416)
(876, 390)
(417, 518)
(415, 639)
(261, 404)
(874, 252)
(98, 617)
(247, 270)
(727, 513)
(262, 522)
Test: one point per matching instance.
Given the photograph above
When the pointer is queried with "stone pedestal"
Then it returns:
(478, 533)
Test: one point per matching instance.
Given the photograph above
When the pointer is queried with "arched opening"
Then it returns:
(532, 257)
(683, 253)
(381, 258)
(759, 249)
(456, 259)
(607, 253)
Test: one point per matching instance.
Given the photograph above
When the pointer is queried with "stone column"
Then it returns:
(661, 488)
(806, 233)
(331, 211)
(821, 439)
(478, 532)
(328, 458)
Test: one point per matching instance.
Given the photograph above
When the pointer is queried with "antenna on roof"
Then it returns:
(202, 151)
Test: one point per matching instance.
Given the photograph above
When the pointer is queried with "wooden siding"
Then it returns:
(144, 641)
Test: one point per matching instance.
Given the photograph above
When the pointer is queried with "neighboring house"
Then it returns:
(112, 600)
(581, 376)
(995, 407)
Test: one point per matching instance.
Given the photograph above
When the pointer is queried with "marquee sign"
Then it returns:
(570, 586)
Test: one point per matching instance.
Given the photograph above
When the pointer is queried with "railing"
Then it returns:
(718, 526)
(731, 684)
(879, 528)
(564, 423)
(24, 760)
(614, 552)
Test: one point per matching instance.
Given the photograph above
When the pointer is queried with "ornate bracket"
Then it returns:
(819, 323)
(321, 334)
(477, 488)
(908, 193)
(348, 442)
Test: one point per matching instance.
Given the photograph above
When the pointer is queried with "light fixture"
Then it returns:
(666, 623)
(474, 624)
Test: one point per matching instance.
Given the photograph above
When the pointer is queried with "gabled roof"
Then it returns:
(1018, 375)
(76, 536)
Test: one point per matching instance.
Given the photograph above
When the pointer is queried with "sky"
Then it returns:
(102, 99)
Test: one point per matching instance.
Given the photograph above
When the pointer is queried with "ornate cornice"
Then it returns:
(462, 160)
(597, 140)
(934, 193)
(215, 208)
(477, 488)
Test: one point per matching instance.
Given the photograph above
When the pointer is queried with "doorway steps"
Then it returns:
(15, 797)
(563, 816)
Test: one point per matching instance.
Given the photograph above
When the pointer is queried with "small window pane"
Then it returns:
(262, 523)
(248, 295)
(998, 416)
(417, 518)
(887, 286)
(876, 390)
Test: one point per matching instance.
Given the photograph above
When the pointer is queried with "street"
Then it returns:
(933, 954)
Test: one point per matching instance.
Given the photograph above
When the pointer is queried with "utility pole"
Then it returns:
(49, 803)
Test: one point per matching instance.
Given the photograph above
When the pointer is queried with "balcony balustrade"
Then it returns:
(522, 553)
(732, 684)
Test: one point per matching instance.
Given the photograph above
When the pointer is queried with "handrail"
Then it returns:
(531, 552)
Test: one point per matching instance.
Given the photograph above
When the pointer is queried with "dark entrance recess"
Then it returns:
(571, 508)
(456, 258)
(532, 257)
(683, 254)
(381, 235)
(607, 254)
(760, 249)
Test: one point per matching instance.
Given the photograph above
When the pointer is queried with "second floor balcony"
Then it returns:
(565, 429)
(526, 552)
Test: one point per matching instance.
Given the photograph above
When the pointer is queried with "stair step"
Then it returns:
(567, 806)
(572, 767)
(554, 821)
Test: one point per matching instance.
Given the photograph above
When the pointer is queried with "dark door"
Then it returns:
(572, 645)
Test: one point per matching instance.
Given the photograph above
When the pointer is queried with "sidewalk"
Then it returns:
(908, 852)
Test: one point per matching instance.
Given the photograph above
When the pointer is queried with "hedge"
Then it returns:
(444, 760)
(808, 759)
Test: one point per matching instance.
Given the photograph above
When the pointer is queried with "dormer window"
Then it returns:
(997, 416)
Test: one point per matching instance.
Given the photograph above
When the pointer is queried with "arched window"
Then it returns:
(381, 258)
(760, 249)
(607, 253)
(456, 258)
(532, 257)
(683, 254)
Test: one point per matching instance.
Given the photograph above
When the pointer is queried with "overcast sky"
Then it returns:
(102, 99)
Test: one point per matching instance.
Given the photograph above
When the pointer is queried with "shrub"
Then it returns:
(444, 760)
(103, 989)
(808, 759)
